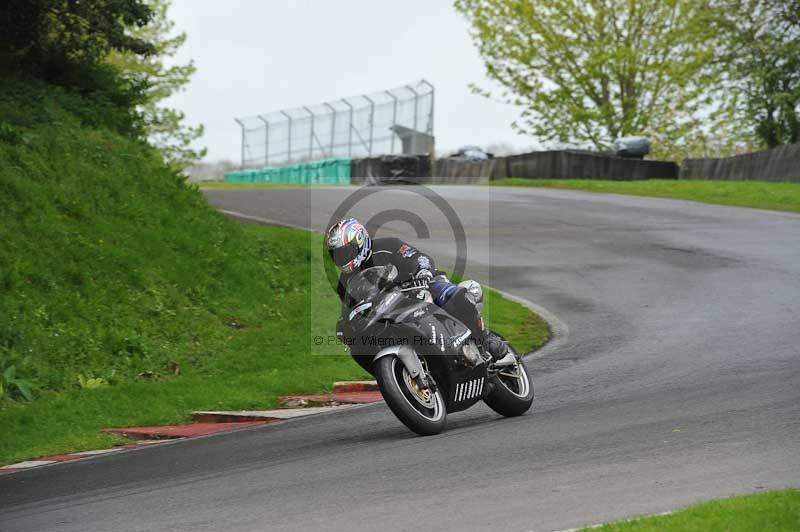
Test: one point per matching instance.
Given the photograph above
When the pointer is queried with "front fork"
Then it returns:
(412, 362)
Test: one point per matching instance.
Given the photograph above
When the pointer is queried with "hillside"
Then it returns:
(111, 266)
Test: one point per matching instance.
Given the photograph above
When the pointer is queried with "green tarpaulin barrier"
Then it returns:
(322, 172)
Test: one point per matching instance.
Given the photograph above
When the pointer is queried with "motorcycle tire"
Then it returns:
(512, 395)
(423, 413)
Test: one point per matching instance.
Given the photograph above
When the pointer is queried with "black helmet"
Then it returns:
(348, 244)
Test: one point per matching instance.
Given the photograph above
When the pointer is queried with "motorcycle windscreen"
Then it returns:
(366, 284)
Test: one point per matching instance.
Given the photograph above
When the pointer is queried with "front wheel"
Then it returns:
(513, 391)
(420, 410)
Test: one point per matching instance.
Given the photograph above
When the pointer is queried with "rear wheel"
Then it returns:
(513, 391)
(421, 410)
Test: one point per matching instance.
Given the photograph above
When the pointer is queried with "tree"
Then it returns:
(760, 55)
(165, 126)
(64, 42)
(589, 71)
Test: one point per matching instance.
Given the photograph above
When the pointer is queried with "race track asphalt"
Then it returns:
(679, 380)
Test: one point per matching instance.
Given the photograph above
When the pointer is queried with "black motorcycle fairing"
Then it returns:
(384, 316)
(464, 386)
(445, 328)
(397, 308)
(369, 340)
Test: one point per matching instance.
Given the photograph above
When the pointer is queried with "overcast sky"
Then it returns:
(255, 56)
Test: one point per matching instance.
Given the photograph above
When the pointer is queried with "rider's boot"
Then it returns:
(495, 346)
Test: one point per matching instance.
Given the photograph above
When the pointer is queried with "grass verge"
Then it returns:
(125, 299)
(756, 194)
(775, 511)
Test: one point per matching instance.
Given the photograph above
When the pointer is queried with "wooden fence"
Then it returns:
(779, 164)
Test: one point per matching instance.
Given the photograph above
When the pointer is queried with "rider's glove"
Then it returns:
(424, 275)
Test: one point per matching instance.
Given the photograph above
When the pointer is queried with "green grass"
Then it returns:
(757, 194)
(125, 299)
(526, 330)
(773, 511)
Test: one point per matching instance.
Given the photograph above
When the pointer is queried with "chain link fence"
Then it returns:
(394, 121)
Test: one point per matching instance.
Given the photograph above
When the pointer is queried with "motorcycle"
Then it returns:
(425, 361)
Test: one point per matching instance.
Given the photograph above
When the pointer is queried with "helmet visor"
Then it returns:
(343, 255)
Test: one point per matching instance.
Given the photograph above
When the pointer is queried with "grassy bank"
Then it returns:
(126, 300)
(775, 511)
(757, 194)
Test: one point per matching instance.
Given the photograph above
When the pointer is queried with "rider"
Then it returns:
(352, 249)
